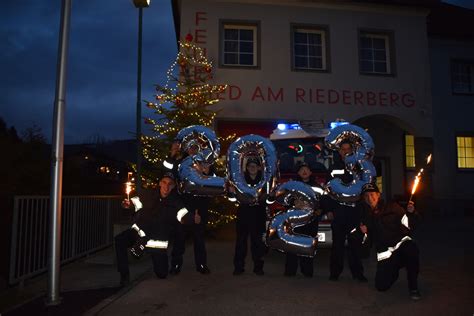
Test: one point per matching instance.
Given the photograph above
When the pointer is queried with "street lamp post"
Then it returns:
(57, 149)
(140, 4)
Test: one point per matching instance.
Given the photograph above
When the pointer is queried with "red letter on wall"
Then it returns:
(200, 36)
(394, 99)
(407, 100)
(279, 95)
(346, 97)
(300, 95)
(200, 16)
(257, 94)
(234, 93)
(358, 96)
(332, 93)
(319, 95)
(371, 98)
(382, 99)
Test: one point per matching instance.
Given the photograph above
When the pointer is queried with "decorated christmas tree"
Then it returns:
(186, 99)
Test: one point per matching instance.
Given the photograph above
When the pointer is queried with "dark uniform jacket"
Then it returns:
(199, 203)
(158, 217)
(255, 211)
(339, 164)
(389, 226)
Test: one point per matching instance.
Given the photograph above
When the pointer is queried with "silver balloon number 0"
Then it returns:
(358, 163)
(255, 147)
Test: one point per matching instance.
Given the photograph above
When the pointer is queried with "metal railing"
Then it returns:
(87, 226)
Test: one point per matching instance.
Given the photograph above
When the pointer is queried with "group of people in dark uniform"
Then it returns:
(165, 217)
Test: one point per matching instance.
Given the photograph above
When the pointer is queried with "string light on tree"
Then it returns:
(187, 98)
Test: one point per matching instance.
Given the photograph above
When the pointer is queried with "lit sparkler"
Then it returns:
(417, 179)
(128, 186)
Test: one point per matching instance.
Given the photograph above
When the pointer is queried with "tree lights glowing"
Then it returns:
(186, 99)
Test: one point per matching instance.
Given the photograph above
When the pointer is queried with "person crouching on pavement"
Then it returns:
(251, 220)
(390, 228)
(152, 228)
(311, 229)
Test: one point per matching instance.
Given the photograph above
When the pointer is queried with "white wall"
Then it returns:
(412, 67)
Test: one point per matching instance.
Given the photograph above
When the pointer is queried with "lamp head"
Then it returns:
(141, 3)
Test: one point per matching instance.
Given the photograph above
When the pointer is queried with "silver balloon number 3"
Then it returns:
(358, 163)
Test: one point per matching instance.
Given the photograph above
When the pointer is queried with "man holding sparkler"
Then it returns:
(390, 228)
(152, 228)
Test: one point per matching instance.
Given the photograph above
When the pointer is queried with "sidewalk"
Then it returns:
(446, 280)
(90, 279)
(446, 283)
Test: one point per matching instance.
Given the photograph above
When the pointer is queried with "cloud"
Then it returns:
(102, 64)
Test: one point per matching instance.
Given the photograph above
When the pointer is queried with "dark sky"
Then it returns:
(102, 67)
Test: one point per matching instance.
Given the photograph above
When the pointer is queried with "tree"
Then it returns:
(187, 99)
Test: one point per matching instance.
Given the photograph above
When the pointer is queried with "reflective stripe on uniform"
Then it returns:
(353, 230)
(364, 239)
(318, 190)
(268, 201)
(337, 171)
(405, 221)
(136, 203)
(181, 213)
(159, 244)
(140, 232)
(168, 165)
(388, 253)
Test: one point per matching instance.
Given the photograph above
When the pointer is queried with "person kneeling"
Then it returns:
(152, 228)
(390, 228)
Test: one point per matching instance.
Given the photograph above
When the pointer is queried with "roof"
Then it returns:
(447, 20)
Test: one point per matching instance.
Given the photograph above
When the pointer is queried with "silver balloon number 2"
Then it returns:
(358, 163)
(192, 179)
(300, 200)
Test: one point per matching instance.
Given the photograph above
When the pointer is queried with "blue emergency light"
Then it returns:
(336, 124)
(284, 126)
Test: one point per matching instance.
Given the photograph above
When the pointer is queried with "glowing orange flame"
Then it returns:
(415, 184)
(128, 186)
(428, 159)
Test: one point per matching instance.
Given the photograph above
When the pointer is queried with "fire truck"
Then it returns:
(296, 144)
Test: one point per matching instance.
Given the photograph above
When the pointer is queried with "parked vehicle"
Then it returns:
(295, 146)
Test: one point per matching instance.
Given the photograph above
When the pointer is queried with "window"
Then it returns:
(375, 53)
(409, 151)
(310, 48)
(239, 45)
(465, 146)
(462, 73)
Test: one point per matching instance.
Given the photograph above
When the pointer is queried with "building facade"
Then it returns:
(451, 48)
(369, 63)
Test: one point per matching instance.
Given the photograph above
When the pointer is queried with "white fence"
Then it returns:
(87, 226)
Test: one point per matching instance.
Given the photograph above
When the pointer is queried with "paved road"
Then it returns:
(446, 284)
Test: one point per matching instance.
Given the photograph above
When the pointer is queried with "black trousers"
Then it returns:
(306, 263)
(125, 240)
(197, 233)
(341, 232)
(254, 227)
(291, 265)
(407, 256)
